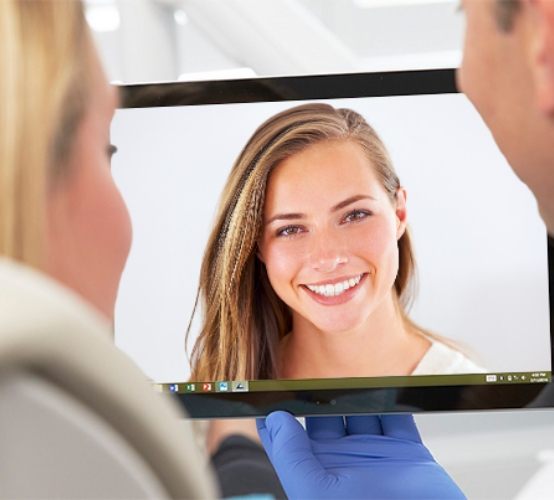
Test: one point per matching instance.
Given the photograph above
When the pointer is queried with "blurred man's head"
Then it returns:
(508, 74)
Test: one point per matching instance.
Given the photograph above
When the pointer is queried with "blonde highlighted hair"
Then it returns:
(43, 67)
(243, 318)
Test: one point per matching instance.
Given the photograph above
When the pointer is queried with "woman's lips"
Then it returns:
(340, 298)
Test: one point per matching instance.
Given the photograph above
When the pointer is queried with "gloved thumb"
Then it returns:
(288, 447)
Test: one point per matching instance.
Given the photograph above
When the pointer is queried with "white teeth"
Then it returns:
(335, 289)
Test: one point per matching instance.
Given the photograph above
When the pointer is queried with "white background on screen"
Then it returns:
(480, 244)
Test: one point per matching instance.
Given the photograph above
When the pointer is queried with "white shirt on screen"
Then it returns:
(441, 359)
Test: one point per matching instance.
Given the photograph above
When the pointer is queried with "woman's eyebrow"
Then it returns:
(338, 206)
(352, 199)
(292, 216)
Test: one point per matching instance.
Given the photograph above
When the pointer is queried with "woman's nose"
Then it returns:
(328, 253)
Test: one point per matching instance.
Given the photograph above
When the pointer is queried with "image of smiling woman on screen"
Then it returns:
(308, 272)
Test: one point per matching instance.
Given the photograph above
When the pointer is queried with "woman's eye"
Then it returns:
(356, 215)
(289, 231)
(111, 150)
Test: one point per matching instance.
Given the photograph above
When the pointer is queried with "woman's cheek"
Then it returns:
(373, 239)
(283, 262)
(383, 246)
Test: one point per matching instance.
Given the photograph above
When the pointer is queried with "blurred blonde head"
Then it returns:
(60, 210)
(44, 54)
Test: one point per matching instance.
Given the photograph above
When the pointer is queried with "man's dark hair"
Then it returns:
(505, 12)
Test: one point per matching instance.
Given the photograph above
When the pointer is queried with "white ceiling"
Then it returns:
(160, 40)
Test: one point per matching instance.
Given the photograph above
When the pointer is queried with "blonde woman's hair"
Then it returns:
(243, 318)
(44, 54)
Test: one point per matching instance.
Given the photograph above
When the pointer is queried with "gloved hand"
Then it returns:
(353, 457)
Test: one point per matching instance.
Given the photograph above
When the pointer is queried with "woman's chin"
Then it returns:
(338, 326)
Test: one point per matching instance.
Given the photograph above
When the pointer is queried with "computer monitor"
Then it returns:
(476, 319)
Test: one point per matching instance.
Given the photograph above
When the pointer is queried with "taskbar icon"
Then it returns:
(239, 386)
(223, 386)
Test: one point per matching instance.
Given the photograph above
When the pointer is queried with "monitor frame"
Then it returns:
(339, 401)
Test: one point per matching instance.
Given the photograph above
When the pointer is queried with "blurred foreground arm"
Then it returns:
(353, 457)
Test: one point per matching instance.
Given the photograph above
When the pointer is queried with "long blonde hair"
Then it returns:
(243, 318)
(43, 68)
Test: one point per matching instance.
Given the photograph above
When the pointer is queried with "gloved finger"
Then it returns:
(289, 449)
(325, 427)
(400, 427)
(364, 424)
(264, 434)
(276, 428)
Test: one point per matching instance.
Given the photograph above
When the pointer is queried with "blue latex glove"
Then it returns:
(353, 457)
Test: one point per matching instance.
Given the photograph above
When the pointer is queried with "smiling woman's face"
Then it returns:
(329, 240)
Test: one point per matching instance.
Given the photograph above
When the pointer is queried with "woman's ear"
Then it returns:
(540, 33)
(401, 214)
(259, 253)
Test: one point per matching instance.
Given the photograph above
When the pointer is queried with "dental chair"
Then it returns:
(77, 417)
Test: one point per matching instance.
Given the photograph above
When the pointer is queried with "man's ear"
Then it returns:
(541, 33)
(401, 213)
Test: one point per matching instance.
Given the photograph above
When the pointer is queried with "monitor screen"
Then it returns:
(375, 244)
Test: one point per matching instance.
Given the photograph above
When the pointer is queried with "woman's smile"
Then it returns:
(335, 291)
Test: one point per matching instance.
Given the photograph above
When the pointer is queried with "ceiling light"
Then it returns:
(180, 17)
(102, 17)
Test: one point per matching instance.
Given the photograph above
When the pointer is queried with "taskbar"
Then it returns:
(230, 386)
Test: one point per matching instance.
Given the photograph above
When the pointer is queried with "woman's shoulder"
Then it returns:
(441, 359)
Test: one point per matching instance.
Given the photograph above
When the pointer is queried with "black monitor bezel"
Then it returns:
(344, 401)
